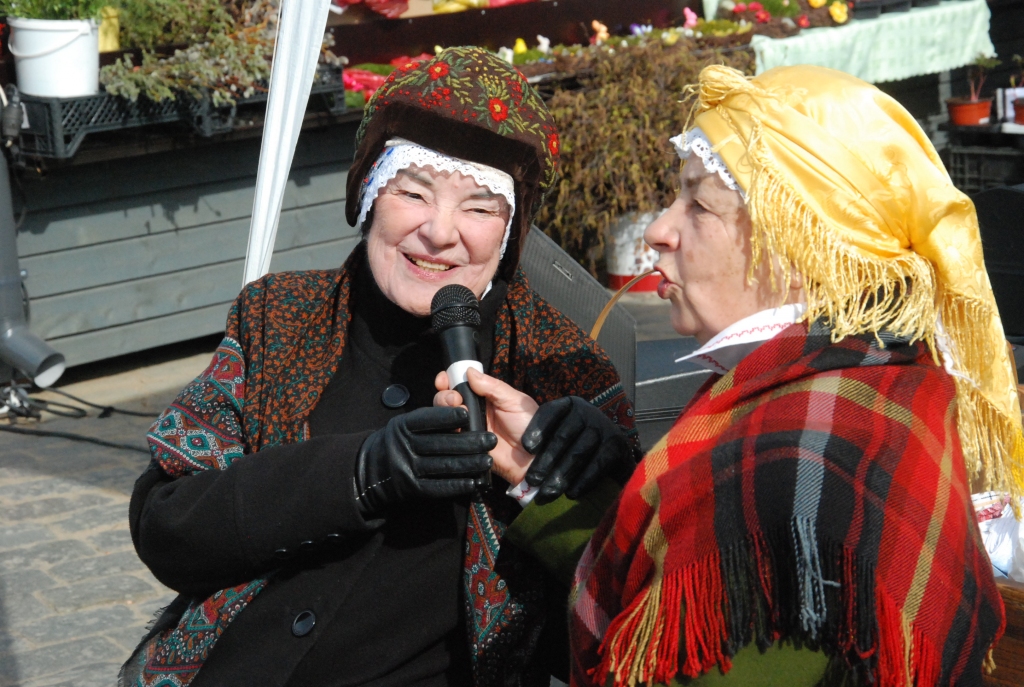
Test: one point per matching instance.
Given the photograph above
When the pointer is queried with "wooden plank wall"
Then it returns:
(135, 253)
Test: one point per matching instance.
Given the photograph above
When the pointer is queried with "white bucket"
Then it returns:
(628, 255)
(56, 58)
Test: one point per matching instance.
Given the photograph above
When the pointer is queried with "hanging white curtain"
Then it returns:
(299, 38)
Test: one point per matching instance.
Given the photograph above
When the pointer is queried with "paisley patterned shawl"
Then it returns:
(284, 337)
(815, 493)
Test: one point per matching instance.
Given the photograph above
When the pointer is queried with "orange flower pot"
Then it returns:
(965, 112)
(1018, 111)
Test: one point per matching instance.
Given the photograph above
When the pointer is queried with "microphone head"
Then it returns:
(454, 305)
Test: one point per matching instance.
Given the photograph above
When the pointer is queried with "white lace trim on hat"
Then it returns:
(399, 154)
(694, 141)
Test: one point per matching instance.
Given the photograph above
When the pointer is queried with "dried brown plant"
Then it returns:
(615, 152)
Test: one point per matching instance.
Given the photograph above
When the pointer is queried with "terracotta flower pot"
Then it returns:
(1018, 111)
(966, 112)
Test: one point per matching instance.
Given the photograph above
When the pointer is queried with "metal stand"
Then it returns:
(20, 349)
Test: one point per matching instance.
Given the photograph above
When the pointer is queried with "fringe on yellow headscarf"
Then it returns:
(843, 186)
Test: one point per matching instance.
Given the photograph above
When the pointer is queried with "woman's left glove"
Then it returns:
(575, 444)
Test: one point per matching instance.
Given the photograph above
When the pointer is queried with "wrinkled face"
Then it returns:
(704, 242)
(430, 230)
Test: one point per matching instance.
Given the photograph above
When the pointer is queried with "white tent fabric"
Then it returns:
(299, 38)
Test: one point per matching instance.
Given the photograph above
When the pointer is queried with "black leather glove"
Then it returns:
(419, 455)
(575, 444)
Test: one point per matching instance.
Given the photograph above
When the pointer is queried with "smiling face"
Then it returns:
(430, 230)
(704, 242)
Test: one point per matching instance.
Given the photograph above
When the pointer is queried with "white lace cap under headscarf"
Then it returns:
(399, 154)
(694, 141)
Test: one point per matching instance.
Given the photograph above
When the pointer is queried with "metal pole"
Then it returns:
(20, 349)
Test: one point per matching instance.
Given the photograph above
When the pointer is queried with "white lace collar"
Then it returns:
(694, 141)
(734, 343)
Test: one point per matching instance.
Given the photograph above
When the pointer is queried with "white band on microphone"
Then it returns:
(457, 371)
(523, 493)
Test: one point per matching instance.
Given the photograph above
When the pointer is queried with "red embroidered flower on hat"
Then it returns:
(553, 144)
(438, 70)
(498, 110)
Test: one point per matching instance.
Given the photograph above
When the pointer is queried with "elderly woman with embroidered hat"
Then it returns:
(324, 524)
(815, 493)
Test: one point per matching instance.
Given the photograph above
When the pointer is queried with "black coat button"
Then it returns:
(395, 396)
(333, 538)
(307, 545)
(303, 623)
(284, 554)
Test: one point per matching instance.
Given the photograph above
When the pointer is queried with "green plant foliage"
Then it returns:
(782, 8)
(615, 152)
(722, 27)
(231, 58)
(376, 68)
(977, 71)
(148, 24)
(226, 66)
(53, 9)
(529, 56)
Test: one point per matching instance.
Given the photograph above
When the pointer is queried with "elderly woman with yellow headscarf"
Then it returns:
(807, 520)
(815, 494)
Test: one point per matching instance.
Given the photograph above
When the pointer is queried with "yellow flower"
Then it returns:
(816, 3)
(520, 47)
(839, 11)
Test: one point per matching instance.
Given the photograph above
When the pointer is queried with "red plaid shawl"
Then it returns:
(285, 335)
(816, 493)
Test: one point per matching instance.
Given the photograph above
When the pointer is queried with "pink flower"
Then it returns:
(739, 7)
(755, 7)
(763, 17)
(803, 22)
(691, 18)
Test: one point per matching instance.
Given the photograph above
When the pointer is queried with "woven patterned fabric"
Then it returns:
(816, 493)
(285, 335)
(473, 87)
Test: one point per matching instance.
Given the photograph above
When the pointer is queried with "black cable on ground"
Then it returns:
(55, 408)
(105, 411)
(73, 437)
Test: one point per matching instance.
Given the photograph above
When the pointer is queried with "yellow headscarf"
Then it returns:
(842, 184)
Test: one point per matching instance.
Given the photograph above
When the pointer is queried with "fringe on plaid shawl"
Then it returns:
(642, 621)
(244, 402)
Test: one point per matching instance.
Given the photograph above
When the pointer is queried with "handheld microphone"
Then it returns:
(455, 316)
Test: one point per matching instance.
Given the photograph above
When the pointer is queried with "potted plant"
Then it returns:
(617, 165)
(55, 45)
(1017, 84)
(204, 49)
(975, 110)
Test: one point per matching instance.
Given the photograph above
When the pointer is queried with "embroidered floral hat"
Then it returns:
(469, 104)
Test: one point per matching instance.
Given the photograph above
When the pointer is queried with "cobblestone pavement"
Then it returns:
(74, 597)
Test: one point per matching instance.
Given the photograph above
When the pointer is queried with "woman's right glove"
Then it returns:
(419, 455)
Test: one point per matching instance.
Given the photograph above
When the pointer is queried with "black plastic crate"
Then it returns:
(58, 126)
(977, 168)
(328, 93)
